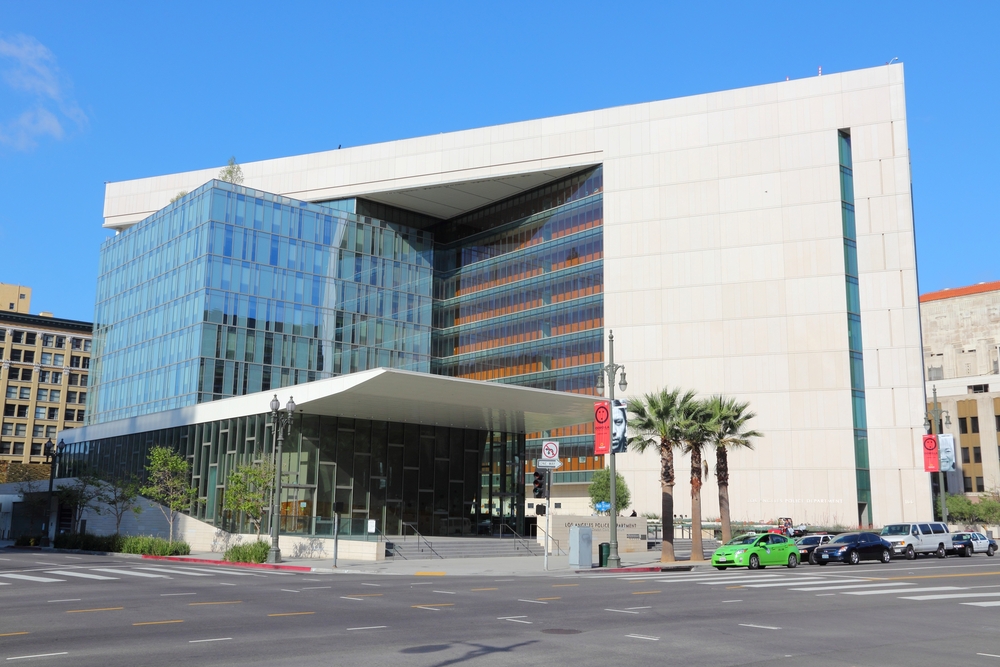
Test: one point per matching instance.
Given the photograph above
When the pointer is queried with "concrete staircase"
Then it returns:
(413, 548)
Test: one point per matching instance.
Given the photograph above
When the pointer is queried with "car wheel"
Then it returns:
(793, 560)
(910, 554)
(967, 551)
(812, 559)
(754, 562)
(853, 558)
(990, 550)
(720, 567)
(886, 556)
(941, 553)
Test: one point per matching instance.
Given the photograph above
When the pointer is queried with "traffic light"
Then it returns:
(538, 486)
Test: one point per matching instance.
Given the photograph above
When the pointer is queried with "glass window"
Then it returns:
(60, 342)
(26, 374)
(29, 356)
(20, 429)
(12, 374)
(22, 411)
(15, 355)
(19, 448)
(76, 343)
(965, 455)
(12, 392)
(37, 431)
(74, 379)
(54, 396)
(83, 397)
(974, 424)
(83, 380)
(58, 359)
(56, 377)
(4, 448)
(48, 340)
(46, 359)
(30, 338)
(25, 394)
(70, 415)
(39, 413)
(36, 449)
(74, 361)
(18, 337)
(8, 410)
(963, 427)
(86, 345)
(43, 395)
(980, 487)
(71, 397)
(977, 455)
(50, 431)
(7, 429)
(53, 413)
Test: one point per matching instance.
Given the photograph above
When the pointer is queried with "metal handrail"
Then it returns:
(559, 551)
(385, 538)
(413, 526)
(523, 541)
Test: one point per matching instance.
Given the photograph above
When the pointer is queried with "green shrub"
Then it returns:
(254, 552)
(87, 542)
(153, 546)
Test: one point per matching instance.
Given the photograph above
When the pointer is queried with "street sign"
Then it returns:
(551, 464)
(550, 449)
(602, 506)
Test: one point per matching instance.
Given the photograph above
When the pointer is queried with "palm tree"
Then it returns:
(729, 419)
(655, 422)
(697, 427)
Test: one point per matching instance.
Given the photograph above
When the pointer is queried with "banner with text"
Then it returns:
(931, 462)
(602, 428)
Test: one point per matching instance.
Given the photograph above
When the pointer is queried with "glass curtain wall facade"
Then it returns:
(436, 480)
(230, 291)
(854, 331)
(518, 297)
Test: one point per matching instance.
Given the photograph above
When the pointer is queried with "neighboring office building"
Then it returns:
(44, 378)
(961, 332)
(737, 242)
(15, 298)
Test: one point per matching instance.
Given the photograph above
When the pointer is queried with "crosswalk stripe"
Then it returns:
(130, 573)
(26, 577)
(991, 603)
(82, 575)
(742, 580)
(217, 570)
(911, 590)
(949, 597)
(788, 582)
(872, 584)
(172, 571)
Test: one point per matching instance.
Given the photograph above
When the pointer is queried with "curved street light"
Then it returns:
(611, 371)
(280, 422)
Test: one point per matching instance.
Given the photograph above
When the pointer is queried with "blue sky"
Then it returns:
(106, 91)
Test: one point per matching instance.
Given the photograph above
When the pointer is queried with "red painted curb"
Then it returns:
(209, 561)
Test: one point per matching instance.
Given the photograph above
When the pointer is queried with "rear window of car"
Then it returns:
(939, 528)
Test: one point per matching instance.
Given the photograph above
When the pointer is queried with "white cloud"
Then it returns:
(28, 67)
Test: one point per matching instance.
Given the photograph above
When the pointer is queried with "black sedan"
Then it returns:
(807, 545)
(853, 548)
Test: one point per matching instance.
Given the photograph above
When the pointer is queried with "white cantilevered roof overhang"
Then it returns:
(382, 394)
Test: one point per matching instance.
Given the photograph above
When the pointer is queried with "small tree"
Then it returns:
(167, 475)
(600, 489)
(78, 496)
(120, 496)
(248, 490)
(231, 173)
(180, 194)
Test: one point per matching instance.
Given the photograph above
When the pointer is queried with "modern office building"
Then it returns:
(754, 242)
(961, 333)
(44, 381)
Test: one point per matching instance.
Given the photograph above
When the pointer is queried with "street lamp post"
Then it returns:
(931, 422)
(280, 421)
(52, 457)
(611, 371)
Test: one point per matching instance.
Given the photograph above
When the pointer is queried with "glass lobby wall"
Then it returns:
(518, 297)
(406, 477)
(230, 291)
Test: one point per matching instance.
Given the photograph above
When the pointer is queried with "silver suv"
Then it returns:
(910, 539)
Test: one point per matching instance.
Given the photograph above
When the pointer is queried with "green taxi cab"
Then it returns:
(756, 551)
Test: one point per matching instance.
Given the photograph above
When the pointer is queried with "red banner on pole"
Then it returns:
(602, 428)
(932, 463)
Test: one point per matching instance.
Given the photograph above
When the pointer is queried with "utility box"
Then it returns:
(581, 540)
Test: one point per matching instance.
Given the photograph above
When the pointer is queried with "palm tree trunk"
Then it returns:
(722, 476)
(697, 550)
(667, 504)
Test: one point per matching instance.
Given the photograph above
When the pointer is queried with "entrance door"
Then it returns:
(298, 510)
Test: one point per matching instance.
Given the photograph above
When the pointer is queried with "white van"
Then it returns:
(910, 539)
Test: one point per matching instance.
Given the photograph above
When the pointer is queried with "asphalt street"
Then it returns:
(61, 609)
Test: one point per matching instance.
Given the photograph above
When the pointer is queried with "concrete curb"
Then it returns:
(627, 570)
(226, 563)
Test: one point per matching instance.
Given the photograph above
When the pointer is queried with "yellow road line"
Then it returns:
(78, 611)
(294, 613)
(563, 585)
(158, 622)
(428, 574)
(938, 576)
(644, 592)
(11, 634)
(484, 589)
(198, 604)
(440, 604)
(548, 598)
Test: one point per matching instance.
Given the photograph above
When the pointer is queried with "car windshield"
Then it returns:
(897, 529)
(847, 537)
(808, 540)
(743, 539)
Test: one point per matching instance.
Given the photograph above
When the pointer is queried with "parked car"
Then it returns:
(966, 544)
(910, 539)
(853, 548)
(807, 546)
(756, 551)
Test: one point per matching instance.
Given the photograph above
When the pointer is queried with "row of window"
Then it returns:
(52, 414)
(980, 485)
(970, 424)
(17, 448)
(47, 358)
(47, 377)
(48, 340)
(45, 395)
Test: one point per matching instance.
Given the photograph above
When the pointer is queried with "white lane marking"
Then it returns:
(315, 588)
(949, 597)
(729, 582)
(166, 595)
(38, 562)
(363, 584)
(427, 608)
(4, 559)
(130, 573)
(725, 601)
(774, 584)
(911, 590)
(651, 639)
(37, 655)
(824, 595)
(75, 557)
(82, 575)
(172, 571)
(370, 627)
(762, 627)
(223, 583)
(288, 590)
(989, 655)
(217, 639)
(622, 611)
(994, 603)
(631, 608)
(216, 570)
(346, 597)
(445, 592)
(534, 601)
(517, 620)
(712, 577)
(845, 586)
(67, 600)
(26, 577)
